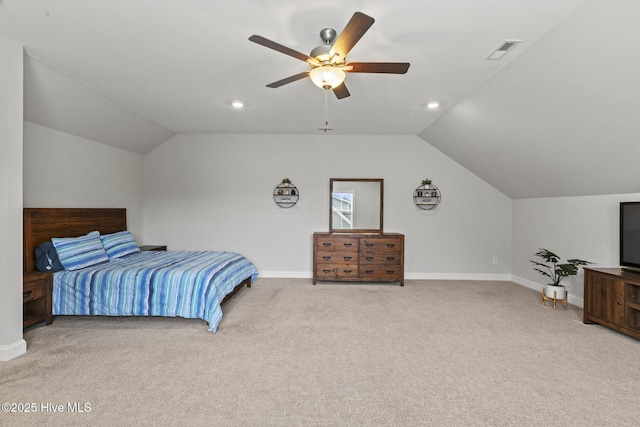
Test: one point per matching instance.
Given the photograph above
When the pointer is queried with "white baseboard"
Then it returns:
(286, 274)
(11, 351)
(456, 276)
(407, 276)
(538, 287)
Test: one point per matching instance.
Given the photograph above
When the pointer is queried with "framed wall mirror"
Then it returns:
(356, 205)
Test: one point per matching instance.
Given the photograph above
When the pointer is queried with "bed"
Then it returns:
(191, 284)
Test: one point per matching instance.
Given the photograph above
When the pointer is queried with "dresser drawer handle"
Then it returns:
(326, 271)
(390, 245)
(26, 294)
(347, 271)
(369, 258)
(326, 258)
(347, 258)
(326, 245)
(369, 271)
(390, 258)
(348, 245)
(390, 271)
(368, 244)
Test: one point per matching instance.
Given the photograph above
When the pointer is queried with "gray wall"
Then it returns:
(87, 174)
(584, 227)
(215, 192)
(11, 71)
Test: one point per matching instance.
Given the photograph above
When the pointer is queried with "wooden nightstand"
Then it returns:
(37, 288)
(153, 248)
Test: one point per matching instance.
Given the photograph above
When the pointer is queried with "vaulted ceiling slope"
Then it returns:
(57, 101)
(555, 116)
(561, 120)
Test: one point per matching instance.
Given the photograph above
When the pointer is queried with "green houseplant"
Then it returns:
(556, 271)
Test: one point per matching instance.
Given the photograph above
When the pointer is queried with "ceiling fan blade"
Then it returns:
(282, 49)
(341, 91)
(378, 67)
(289, 79)
(354, 30)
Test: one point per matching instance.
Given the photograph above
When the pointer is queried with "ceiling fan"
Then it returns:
(328, 61)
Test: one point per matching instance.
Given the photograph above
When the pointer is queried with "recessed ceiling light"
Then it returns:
(237, 104)
(433, 105)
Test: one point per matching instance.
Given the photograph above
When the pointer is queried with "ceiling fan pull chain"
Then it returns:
(326, 127)
(326, 108)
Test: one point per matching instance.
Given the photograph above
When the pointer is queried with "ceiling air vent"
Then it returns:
(500, 51)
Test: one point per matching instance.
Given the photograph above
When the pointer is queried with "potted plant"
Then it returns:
(556, 271)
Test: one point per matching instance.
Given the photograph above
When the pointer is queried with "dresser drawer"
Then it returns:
(381, 244)
(342, 257)
(337, 243)
(381, 272)
(34, 290)
(382, 258)
(331, 271)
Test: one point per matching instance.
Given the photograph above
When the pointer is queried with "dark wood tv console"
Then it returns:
(612, 299)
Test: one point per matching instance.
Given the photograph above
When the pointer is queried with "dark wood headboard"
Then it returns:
(41, 224)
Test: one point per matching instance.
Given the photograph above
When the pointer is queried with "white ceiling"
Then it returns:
(556, 116)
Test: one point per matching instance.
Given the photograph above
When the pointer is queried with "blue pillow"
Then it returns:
(119, 244)
(47, 258)
(80, 252)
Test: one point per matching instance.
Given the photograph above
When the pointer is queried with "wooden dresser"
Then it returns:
(358, 257)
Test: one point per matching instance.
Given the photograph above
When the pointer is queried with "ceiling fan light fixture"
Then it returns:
(321, 53)
(329, 61)
(327, 76)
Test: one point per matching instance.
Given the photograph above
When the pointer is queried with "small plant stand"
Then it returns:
(564, 301)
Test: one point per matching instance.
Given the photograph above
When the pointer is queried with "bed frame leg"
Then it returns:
(247, 282)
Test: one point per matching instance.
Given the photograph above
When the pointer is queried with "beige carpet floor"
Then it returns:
(432, 353)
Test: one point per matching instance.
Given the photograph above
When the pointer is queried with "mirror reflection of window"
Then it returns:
(355, 204)
(342, 206)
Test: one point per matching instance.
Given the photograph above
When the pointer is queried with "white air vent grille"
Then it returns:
(501, 51)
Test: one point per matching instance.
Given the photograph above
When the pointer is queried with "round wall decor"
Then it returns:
(426, 196)
(286, 194)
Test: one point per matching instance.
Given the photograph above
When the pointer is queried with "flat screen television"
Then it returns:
(630, 236)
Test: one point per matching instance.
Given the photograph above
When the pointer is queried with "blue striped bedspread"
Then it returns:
(153, 283)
